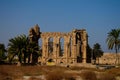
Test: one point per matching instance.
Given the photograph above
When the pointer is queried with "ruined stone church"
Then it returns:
(60, 47)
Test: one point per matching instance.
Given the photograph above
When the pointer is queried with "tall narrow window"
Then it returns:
(61, 53)
(40, 47)
(50, 46)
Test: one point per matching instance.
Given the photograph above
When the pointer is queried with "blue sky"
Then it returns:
(98, 17)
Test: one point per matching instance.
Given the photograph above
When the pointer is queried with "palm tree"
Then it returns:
(89, 54)
(2, 52)
(32, 50)
(113, 40)
(97, 52)
(17, 46)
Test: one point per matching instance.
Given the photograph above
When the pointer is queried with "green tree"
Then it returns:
(2, 52)
(97, 52)
(89, 54)
(33, 52)
(113, 40)
(17, 46)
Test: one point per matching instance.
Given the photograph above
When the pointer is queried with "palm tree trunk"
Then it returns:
(116, 62)
(20, 57)
(20, 60)
(30, 58)
(24, 57)
(12, 58)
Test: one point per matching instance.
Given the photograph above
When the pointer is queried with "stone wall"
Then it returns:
(109, 58)
(74, 47)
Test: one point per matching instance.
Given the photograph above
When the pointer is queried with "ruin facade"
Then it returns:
(73, 49)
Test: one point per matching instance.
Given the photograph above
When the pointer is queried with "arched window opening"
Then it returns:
(61, 53)
(50, 46)
(40, 47)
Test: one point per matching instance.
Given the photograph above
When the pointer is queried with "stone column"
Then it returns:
(43, 47)
(43, 50)
(84, 47)
(66, 52)
(74, 48)
(68, 49)
(65, 48)
(46, 48)
(84, 52)
(55, 50)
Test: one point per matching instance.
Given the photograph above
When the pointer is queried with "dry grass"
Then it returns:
(55, 75)
(59, 75)
(84, 68)
(33, 78)
(17, 72)
(12, 72)
(91, 75)
(114, 71)
(107, 76)
(88, 75)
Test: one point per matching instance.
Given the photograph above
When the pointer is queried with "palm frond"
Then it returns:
(113, 38)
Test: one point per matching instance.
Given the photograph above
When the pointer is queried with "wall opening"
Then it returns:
(50, 46)
(61, 46)
(40, 47)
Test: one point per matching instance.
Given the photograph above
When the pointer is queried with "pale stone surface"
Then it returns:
(109, 58)
(74, 46)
